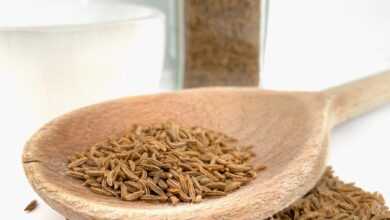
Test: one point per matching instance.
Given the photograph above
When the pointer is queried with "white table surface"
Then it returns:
(311, 45)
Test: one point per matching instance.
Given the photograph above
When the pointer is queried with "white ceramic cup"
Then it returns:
(56, 55)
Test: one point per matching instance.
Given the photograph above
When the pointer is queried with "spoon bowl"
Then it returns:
(290, 132)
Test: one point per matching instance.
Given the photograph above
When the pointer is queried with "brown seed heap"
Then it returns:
(334, 199)
(163, 163)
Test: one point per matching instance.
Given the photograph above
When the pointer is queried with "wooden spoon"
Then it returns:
(289, 129)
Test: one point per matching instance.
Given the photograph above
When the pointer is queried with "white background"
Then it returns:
(311, 45)
(316, 44)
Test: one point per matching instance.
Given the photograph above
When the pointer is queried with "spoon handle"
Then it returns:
(358, 97)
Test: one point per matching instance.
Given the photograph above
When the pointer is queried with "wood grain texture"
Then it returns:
(360, 96)
(290, 132)
(275, 123)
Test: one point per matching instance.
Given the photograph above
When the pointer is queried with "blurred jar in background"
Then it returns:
(58, 55)
(222, 43)
(213, 43)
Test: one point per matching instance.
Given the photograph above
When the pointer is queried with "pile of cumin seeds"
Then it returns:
(166, 163)
(334, 199)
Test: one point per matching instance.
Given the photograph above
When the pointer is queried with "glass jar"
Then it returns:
(222, 41)
(60, 55)
(213, 42)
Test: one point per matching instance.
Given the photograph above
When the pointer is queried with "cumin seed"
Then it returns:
(31, 206)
